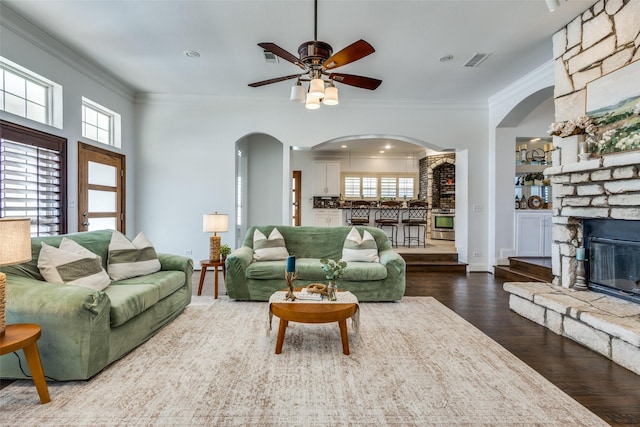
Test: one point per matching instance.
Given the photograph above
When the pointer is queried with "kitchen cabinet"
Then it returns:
(533, 233)
(327, 217)
(326, 179)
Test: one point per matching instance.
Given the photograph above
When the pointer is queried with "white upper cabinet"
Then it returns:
(327, 179)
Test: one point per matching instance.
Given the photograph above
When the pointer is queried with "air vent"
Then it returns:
(476, 60)
(270, 58)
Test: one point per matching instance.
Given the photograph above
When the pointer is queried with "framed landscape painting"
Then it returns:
(613, 102)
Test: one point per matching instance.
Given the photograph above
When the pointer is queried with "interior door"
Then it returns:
(101, 189)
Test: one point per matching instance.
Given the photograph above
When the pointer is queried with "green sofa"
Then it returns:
(250, 280)
(84, 330)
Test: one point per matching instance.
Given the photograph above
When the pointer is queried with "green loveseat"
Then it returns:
(84, 330)
(250, 280)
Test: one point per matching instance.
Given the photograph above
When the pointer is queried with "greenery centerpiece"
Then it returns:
(333, 270)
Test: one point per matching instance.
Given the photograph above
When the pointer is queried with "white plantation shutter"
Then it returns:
(33, 182)
(352, 186)
(388, 187)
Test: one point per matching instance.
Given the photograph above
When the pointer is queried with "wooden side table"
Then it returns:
(24, 336)
(205, 263)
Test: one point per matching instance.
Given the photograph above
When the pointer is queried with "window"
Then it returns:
(352, 187)
(33, 178)
(389, 186)
(100, 124)
(369, 186)
(29, 95)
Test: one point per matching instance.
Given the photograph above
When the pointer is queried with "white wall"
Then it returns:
(44, 56)
(194, 139)
(523, 96)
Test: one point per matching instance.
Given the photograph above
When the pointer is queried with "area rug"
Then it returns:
(413, 363)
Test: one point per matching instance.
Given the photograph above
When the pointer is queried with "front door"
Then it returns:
(101, 189)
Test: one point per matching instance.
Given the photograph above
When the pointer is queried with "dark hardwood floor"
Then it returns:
(607, 389)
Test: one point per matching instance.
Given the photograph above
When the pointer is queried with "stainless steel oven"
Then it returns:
(443, 224)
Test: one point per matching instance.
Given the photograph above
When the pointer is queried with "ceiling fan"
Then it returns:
(316, 59)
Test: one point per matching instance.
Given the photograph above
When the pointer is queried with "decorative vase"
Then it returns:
(331, 291)
(570, 148)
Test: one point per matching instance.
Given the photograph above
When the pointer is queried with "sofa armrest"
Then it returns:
(170, 262)
(236, 266)
(74, 322)
(395, 284)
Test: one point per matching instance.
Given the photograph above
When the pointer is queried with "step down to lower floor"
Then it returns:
(523, 269)
(434, 262)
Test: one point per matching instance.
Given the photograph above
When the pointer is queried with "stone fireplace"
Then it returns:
(606, 188)
(600, 195)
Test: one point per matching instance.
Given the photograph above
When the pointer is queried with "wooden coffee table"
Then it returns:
(313, 312)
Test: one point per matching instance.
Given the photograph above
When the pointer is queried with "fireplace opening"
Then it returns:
(613, 248)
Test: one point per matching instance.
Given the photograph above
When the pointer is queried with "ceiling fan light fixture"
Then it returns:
(330, 95)
(316, 88)
(312, 103)
(297, 93)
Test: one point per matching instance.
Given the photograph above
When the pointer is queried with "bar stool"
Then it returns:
(415, 216)
(388, 215)
(359, 213)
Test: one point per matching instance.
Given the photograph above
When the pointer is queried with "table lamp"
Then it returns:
(15, 247)
(215, 223)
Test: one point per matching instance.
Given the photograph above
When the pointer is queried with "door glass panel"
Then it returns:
(101, 174)
(102, 201)
(102, 224)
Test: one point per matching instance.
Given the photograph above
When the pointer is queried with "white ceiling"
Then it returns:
(141, 43)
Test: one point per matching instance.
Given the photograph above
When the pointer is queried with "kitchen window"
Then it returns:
(376, 186)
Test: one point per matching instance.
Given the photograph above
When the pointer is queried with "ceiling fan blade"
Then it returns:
(276, 80)
(278, 51)
(357, 81)
(351, 53)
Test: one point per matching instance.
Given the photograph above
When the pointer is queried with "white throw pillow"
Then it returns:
(131, 258)
(358, 248)
(72, 264)
(271, 249)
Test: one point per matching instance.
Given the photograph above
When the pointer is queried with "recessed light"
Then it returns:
(343, 146)
(381, 151)
(445, 58)
(191, 54)
(387, 147)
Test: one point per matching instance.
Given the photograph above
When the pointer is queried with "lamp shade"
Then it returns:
(15, 240)
(297, 93)
(330, 95)
(316, 88)
(312, 103)
(215, 223)
(15, 247)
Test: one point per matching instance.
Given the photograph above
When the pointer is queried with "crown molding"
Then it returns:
(23, 28)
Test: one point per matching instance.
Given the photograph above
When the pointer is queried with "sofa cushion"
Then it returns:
(127, 301)
(131, 258)
(311, 269)
(72, 264)
(167, 282)
(273, 248)
(360, 248)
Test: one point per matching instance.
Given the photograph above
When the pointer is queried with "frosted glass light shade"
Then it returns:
(297, 94)
(312, 103)
(330, 96)
(215, 223)
(316, 88)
